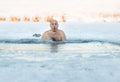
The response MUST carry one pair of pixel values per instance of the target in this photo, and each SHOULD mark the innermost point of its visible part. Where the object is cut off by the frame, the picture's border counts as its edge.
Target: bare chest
(55, 36)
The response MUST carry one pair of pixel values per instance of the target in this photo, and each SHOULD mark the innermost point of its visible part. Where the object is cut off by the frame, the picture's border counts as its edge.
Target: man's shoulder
(61, 31)
(48, 31)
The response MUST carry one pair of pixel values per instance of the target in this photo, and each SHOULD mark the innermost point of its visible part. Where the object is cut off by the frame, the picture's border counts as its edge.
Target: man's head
(54, 25)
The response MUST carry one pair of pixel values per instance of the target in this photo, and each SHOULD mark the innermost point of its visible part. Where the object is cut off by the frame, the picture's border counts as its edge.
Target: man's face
(54, 25)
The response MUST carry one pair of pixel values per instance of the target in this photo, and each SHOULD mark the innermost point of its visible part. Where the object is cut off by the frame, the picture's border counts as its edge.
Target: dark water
(38, 41)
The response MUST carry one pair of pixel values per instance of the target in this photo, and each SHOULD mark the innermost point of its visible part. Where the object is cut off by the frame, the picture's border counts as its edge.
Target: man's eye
(55, 23)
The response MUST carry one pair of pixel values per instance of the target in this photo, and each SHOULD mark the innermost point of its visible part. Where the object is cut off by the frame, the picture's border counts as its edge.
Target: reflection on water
(83, 48)
(53, 47)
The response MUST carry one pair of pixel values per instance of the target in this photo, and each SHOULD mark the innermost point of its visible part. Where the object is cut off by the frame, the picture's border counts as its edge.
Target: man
(54, 33)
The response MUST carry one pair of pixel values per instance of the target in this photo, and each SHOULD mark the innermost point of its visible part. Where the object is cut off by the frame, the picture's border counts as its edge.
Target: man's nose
(54, 26)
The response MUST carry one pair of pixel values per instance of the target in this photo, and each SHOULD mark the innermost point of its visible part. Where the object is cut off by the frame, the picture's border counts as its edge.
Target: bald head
(53, 20)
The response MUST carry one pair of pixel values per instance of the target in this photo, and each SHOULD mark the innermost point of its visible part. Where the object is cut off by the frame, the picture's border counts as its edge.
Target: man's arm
(45, 36)
(63, 36)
